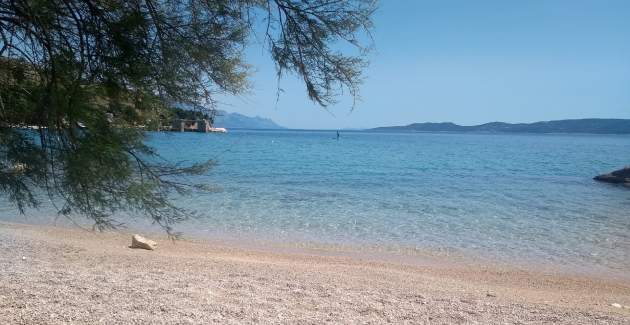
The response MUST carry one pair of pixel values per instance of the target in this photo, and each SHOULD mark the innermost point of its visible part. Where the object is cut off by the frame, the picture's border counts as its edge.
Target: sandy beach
(51, 275)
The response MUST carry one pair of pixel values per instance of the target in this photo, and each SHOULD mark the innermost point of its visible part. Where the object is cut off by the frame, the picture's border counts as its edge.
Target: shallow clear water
(512, 197)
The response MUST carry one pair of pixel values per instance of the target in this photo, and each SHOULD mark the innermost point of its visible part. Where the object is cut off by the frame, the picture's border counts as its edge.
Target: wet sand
(51, 275)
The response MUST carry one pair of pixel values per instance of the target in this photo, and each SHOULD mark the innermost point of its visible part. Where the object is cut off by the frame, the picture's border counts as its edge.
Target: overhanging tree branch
(65, 63)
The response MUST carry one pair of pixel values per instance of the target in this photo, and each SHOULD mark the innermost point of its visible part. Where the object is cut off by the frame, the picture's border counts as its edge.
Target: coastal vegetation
(78, 78)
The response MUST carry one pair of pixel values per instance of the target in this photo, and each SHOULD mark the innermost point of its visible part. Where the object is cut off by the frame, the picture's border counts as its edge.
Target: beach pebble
(616, 305)
(138, 241)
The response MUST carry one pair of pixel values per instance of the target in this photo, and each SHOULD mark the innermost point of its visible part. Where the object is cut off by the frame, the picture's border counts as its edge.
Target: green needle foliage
(82, 80)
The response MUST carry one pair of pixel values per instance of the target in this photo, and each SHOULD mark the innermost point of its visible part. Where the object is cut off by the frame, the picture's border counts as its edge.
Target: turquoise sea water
(510, 197)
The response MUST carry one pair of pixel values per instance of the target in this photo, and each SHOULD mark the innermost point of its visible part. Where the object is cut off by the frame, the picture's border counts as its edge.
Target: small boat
(220, 130)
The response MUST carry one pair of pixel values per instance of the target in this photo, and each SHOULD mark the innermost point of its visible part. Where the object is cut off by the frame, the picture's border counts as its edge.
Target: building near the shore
(202, 125)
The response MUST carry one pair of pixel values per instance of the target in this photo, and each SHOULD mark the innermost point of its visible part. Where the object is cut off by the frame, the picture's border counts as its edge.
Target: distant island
(595, 126)
(227, 120)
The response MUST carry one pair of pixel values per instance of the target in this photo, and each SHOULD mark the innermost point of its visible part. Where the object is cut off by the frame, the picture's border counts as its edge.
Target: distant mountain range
(227, 120)
(597, 126)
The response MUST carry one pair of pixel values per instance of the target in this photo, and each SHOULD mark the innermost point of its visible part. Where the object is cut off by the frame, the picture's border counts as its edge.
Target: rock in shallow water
(138, 241)
(621, 176)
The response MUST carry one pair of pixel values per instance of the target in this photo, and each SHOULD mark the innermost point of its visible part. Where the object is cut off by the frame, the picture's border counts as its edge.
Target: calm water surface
(512, 197)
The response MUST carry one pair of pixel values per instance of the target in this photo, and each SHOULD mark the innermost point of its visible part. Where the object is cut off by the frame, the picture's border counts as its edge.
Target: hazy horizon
(421, 122)
(470, 63)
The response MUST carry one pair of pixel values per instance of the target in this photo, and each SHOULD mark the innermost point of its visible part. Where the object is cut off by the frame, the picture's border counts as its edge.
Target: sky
(469, 62)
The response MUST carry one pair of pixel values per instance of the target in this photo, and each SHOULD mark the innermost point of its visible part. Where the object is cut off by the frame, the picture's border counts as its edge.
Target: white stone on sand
(138, 241)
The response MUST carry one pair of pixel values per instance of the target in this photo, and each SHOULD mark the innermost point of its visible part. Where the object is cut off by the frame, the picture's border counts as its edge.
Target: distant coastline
(587, 126)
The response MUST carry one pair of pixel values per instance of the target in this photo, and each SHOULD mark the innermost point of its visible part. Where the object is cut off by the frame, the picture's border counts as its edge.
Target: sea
(514, 198)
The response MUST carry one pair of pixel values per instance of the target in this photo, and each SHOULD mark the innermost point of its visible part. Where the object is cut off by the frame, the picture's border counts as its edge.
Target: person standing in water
(337, 135)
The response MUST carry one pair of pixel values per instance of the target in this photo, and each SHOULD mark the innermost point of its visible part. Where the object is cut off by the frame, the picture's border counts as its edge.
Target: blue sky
(471, 62)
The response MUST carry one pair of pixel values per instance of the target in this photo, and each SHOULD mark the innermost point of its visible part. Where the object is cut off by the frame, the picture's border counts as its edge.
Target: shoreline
(58, 275)
(395, 253)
